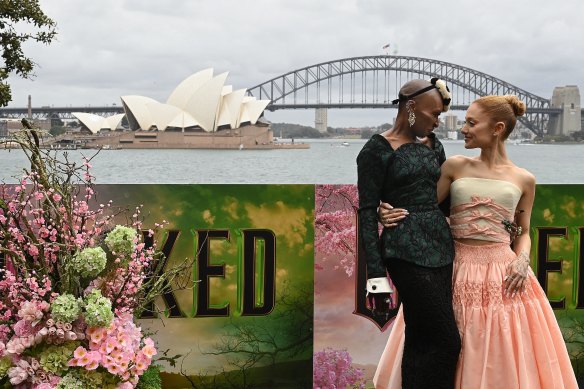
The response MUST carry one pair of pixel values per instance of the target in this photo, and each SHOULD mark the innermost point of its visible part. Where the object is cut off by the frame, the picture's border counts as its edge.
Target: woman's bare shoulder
(458, 160)
(524, 176)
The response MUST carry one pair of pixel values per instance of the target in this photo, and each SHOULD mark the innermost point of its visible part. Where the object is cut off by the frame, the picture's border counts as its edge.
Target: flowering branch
(71, 284)
(335, 224)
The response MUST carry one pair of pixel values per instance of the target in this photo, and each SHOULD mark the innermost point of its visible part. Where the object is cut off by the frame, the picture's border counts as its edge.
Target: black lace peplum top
(405, 178)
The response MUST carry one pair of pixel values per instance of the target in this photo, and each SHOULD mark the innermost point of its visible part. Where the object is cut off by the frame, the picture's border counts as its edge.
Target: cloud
(111, 48)
(208, 217)
(569, 207)
(548, 215)
(231, 206)
(287, 222)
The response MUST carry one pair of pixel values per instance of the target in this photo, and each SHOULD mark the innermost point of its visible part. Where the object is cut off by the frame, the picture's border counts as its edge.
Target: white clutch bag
(379, 285)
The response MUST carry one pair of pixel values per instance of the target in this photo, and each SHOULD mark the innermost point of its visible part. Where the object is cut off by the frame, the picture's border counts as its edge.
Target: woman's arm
(447, 173)
(370, 177)
(517, 271)
(390, 217)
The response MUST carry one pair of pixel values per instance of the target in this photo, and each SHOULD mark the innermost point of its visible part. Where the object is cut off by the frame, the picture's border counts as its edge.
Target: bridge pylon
(566, 98)
(321, 119)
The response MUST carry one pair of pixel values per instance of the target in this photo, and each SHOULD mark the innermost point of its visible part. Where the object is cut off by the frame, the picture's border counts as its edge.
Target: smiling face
(428, 108)
(478, 128)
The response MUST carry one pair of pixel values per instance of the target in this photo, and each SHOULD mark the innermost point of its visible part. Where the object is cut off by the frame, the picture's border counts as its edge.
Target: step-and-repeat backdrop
(273, 283)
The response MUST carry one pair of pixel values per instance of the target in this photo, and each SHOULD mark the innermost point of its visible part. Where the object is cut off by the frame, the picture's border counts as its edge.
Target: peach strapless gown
(507, 343)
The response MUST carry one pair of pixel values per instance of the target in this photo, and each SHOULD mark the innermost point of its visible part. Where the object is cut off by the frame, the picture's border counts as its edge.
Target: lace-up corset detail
(481, 217)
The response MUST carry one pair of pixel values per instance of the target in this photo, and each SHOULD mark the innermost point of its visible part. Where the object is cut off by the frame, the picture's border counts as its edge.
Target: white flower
(443, 89)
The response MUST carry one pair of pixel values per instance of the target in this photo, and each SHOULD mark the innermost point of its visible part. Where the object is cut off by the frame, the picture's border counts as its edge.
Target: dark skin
(427, 108)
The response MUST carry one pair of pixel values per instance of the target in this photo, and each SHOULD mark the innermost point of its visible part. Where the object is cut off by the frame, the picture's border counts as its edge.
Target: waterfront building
(201, 112)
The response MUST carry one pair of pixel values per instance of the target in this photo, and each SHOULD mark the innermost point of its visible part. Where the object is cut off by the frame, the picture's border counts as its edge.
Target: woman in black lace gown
(395, 167)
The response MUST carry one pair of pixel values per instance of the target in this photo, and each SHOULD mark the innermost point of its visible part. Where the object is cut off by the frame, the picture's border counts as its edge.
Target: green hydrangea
(55, 358)
(5, 364)
(121, 240)
(71, 380)
(65, 308)
(93, 379)
(87, 379)
(150, 379)
(89, 262)
(98, 310)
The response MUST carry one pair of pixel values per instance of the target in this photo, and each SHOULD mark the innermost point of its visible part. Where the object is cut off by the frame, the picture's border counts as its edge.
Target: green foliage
(556, 138)
(288, 130)
(13, 14)
(57, 130)
(578, 135)
(150, 379)
(366, 134)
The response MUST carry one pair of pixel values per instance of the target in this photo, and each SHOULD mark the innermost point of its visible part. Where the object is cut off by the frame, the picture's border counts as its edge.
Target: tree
(335, 225)
(334, 369)
(285, 334)
(24, 15)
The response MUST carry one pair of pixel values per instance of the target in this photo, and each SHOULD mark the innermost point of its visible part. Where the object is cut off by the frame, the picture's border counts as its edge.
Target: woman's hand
(389, 216)
(516, 275)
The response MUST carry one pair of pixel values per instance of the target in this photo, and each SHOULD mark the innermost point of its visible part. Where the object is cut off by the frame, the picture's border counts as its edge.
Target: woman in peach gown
(510, 336)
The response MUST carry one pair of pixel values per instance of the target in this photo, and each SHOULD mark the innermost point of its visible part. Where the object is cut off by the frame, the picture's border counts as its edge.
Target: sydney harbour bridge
(359, 82)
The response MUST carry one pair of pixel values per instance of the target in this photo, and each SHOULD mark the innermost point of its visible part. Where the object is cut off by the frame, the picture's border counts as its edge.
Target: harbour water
(327, 161)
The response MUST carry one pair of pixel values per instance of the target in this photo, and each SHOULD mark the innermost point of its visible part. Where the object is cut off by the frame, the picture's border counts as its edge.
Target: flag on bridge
(386, 46)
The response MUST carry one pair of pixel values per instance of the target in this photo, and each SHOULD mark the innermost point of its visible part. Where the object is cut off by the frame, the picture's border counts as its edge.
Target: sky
(109, 48)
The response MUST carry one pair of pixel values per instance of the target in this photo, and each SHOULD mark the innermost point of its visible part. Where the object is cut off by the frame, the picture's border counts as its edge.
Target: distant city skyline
(111, 48)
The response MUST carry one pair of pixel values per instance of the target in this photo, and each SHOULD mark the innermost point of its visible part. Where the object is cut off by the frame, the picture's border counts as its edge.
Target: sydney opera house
(201, 112)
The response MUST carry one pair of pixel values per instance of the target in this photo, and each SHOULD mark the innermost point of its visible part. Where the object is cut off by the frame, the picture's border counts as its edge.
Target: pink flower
(30, 312)
(84, 360)
(73, 362)
(92, 365)
(80, 352)
(149, 351)
(20, 372)
(57, 197)
(113, 368)
(22, 328)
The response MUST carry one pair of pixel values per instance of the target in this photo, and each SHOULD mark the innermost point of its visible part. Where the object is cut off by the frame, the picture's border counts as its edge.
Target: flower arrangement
(70, 285)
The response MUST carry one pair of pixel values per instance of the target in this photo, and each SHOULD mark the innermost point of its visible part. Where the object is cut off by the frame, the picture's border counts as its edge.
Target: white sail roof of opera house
(139, 116)
(200, 101)
(228, 113)
(95, 123)
(251, 110)
(182, 93)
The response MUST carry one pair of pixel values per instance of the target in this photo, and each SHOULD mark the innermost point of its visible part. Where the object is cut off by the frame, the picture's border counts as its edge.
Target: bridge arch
(373, 81)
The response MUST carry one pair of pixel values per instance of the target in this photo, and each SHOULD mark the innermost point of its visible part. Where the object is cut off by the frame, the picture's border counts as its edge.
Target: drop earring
(411, 114)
